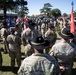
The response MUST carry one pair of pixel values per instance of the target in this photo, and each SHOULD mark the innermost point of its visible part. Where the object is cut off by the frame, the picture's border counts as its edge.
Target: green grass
(6, 68)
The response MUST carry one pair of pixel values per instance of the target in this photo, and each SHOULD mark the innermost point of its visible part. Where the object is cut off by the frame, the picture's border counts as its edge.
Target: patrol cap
(66, 34)
(39, 43)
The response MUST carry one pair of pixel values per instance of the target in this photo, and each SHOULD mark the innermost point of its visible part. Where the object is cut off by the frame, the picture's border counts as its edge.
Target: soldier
(51, 36)
(4, 34)
(26, 35)
(18, 29)
(61, 24)
(14, 48)
(43, 28)
(64, 51)
(39, 63)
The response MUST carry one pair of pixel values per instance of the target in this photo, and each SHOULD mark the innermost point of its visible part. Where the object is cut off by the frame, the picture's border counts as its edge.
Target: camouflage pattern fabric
(39, 64)
(64, 53)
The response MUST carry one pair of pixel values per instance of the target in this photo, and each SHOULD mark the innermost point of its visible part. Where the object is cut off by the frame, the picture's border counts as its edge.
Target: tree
(74, 13)
(65, 15)
(10, 5)
(46, 9)
(23, 11)
(55, 12)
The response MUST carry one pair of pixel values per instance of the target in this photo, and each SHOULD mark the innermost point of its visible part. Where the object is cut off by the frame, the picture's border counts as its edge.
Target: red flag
(72, 26)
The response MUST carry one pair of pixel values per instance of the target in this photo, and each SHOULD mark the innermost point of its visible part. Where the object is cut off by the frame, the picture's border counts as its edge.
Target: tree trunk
(4, 8)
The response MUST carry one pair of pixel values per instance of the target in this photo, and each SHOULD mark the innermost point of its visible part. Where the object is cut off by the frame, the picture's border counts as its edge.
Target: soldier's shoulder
(50, 58)
(28, 59)
(10, 39)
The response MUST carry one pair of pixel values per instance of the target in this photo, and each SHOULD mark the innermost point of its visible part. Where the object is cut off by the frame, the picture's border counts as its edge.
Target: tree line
(20, 7)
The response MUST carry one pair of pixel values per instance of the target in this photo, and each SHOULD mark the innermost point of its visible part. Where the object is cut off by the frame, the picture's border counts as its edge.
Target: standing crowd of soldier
(38, 38)
(14, 37)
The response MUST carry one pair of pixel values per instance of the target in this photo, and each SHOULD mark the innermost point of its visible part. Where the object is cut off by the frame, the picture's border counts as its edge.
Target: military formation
(43, 56)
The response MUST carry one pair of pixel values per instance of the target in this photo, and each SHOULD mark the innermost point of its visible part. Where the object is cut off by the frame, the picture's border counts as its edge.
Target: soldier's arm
(75, 51)
(7, 42)
(56, 69)
(52, 51)
(23, 39)
(21, 69)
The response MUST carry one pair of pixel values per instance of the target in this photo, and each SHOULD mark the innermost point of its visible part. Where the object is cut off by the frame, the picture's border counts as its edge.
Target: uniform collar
(38, 54)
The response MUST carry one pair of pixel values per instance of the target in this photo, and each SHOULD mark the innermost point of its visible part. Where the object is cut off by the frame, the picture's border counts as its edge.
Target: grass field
(6, 68)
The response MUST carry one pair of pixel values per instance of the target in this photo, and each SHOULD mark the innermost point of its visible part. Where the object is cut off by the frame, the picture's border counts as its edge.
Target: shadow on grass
(22, 55)
(15, 69)
(2, 49)
(58, 38)
(9, 69)
(75, 59)
(74, 71)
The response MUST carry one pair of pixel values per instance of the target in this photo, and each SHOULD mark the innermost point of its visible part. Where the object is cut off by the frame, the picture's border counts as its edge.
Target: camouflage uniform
(4, 34)
(43, 29)
(29, 50)
(26, 35)
(51, 36)
(61, 24)
(14, 49)
(65, 53)
(42, 64)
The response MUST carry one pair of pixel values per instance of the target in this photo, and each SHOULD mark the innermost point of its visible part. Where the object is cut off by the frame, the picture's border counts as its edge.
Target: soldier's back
(39, 65)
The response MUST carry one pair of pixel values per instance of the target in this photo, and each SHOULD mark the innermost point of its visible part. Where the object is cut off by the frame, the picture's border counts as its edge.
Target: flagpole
(72, 5)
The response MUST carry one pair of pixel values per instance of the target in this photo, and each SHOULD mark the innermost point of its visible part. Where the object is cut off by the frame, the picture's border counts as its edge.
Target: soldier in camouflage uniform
(39, 63)
(43, 28)
(26, 35)
(4, 33)
(14, 48)
(64, 51)
(51, 36)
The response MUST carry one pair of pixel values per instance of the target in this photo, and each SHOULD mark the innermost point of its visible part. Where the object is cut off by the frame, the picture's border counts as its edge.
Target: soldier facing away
(26, 35)
(64, 51)
(39, 63)
(4, 34)
(51, 36)
(14, 48)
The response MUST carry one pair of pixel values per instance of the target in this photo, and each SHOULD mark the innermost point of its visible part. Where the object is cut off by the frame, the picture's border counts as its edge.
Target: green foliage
(65, 15)
(55, 12)
(46, 9)
(74, 13)
(47, 5)
(11, 5)
(23, 10)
